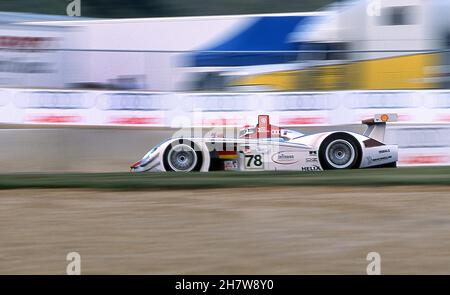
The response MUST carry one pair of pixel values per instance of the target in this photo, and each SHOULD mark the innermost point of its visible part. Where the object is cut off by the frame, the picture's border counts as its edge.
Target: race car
(266, 147)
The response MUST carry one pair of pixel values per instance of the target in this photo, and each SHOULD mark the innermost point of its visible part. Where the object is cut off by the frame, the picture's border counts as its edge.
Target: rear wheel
(182, 156)
(339, 151)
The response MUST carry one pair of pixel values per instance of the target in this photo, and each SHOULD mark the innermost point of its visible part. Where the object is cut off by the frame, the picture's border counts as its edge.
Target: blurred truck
(366, 44)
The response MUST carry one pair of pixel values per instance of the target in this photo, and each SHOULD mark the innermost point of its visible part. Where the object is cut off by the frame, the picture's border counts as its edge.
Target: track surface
(236, 223)
(283, 230)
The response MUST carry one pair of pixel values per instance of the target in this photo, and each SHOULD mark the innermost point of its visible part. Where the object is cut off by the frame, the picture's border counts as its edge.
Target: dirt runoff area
(227, 231)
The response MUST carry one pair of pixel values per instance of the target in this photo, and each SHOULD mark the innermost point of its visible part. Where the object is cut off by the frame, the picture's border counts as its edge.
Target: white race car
(266, 147)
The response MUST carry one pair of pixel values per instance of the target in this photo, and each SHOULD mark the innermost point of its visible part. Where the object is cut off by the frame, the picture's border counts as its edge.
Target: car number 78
(254, 161)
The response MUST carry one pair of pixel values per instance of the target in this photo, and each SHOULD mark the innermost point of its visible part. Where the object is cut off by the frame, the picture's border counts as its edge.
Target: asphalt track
(258, 230)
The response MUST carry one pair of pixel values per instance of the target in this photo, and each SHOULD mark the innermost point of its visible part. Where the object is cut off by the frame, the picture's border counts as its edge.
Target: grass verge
(153, 181)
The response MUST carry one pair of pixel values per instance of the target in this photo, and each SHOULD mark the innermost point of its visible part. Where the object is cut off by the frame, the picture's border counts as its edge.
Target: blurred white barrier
(422, 133)
(421, 145)
(133, 108)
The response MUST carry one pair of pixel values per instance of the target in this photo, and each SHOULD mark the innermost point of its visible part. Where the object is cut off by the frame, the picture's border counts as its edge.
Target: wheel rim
(182, 158)
(340, 154)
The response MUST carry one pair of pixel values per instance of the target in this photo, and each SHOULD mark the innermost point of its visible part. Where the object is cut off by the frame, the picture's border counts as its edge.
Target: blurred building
(146, 53)
(366, 44)
(31, 55)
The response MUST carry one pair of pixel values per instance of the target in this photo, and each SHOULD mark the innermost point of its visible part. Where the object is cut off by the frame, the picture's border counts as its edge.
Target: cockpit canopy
(267, 131)
(284, 134)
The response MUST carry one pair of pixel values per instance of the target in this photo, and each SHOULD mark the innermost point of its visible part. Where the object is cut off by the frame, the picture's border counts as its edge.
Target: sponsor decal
(302, 121)
(126, 120)
(216, 103)
(311, 168)
(54, 119)
(217, 122)
(311, 160)
(380, 159)
(230, 165)
(422, 159)
(312, 153)
(304, 102)
(400, 117)
(64, 100)
(263, 120)
(284, 158)
(262, 129)
(384, 151)
(134, 102)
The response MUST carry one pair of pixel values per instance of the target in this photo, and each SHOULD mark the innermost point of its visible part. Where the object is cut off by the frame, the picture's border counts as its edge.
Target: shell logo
(384, 118)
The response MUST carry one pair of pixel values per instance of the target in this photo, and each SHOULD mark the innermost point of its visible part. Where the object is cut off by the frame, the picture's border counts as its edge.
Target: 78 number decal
(253, 161)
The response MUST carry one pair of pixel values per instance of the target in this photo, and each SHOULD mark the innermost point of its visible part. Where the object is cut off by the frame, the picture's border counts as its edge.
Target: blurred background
(140, 70)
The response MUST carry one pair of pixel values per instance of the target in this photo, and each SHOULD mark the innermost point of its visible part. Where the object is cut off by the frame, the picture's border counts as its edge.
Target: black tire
(340, 151)
(182, 156)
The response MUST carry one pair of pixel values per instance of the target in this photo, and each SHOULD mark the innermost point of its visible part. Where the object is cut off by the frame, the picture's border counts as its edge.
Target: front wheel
(182, 156)
(339, 151)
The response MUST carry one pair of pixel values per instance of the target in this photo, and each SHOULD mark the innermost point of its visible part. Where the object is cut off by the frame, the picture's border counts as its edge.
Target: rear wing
(376, 126)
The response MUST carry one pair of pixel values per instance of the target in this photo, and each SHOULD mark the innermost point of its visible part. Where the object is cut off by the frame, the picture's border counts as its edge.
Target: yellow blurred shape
(401, 72)
(284, 81)
(404, 72)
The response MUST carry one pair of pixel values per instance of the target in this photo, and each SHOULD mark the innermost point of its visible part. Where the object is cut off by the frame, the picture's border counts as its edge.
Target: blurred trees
(151, 8)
